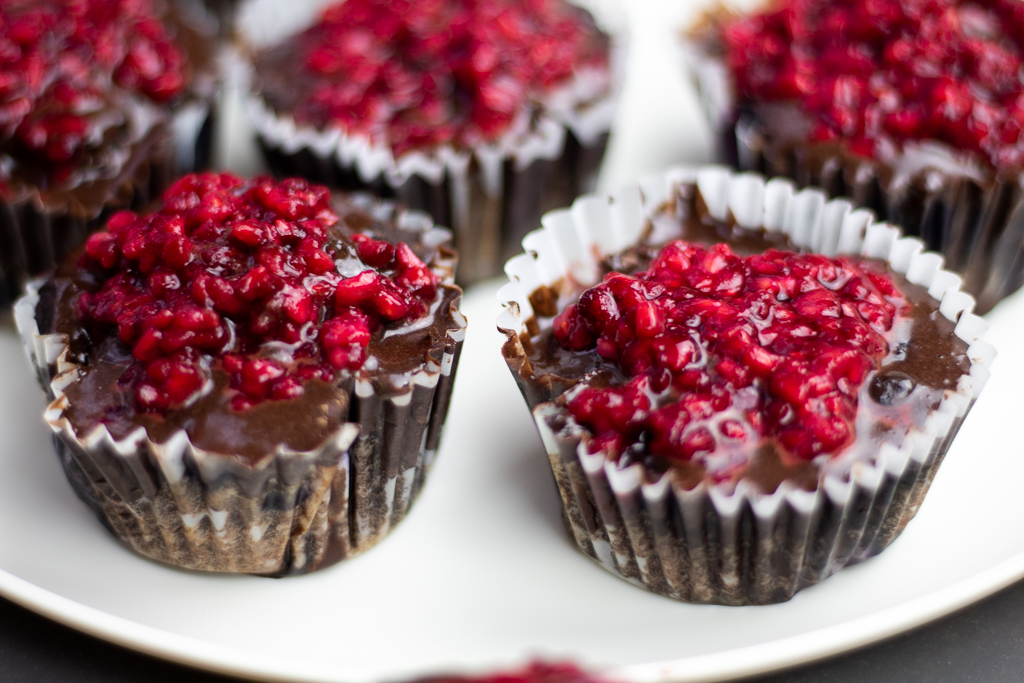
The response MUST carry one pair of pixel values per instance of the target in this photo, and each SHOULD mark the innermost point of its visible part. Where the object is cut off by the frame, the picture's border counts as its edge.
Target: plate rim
(763, 658)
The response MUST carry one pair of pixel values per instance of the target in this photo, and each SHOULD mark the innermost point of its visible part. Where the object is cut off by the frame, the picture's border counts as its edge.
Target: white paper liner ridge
(193, 508)
(655, 534)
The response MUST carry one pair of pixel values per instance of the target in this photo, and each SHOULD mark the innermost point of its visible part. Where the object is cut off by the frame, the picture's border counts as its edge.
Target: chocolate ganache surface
(920, 360)
(396, 350)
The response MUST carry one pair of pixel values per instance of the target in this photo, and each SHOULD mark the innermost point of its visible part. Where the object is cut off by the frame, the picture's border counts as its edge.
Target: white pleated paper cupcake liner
(717, 543)
(959, 209)
(291, 513)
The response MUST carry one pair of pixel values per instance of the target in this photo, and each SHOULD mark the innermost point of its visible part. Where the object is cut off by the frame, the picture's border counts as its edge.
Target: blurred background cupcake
(483, 113)
(102, 102)
(912, 108)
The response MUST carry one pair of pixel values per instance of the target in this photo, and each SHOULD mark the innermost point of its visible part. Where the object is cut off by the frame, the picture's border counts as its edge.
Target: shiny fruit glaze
(59, 61)
(878, 73)
(725, 352)
(243, 277)
(416, 73)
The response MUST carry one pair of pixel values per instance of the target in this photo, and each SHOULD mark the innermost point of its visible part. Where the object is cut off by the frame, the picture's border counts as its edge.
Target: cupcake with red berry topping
(484, 113)
(911, 107)
(101, 101)
(741, 389)
(253, 377)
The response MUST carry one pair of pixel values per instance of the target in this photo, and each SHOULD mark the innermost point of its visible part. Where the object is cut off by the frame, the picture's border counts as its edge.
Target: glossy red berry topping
(877, 73)
(415, 74)
(725, 351)
(58, 61)
(247, 277)
(535, 672)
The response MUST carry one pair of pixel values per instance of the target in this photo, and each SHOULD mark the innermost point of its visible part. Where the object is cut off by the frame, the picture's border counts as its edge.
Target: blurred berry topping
(419, 73)
(535, 672)
(244, 276)
(59, 60)
(725, 351)
(877, 73)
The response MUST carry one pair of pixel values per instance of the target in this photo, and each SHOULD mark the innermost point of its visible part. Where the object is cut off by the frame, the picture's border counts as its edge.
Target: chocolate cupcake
(912, 109)
(484, 113)
(732, 410)
(253, 378)
(101, 102)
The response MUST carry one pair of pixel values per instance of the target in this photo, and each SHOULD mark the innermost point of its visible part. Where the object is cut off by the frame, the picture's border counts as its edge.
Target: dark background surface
(983, 642)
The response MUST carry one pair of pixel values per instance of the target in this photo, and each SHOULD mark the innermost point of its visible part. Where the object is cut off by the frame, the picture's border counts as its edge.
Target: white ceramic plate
(481, 574)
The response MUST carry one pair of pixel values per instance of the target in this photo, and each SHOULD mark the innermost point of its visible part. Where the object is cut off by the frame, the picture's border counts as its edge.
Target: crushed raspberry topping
(58, 59)
(877, 73)
(725, 352)
(415, 74)
(534, 672)
(244, 276)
